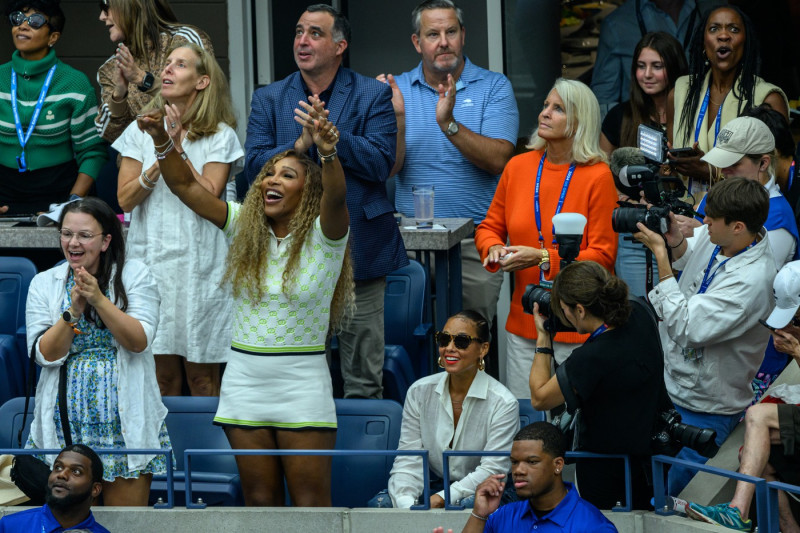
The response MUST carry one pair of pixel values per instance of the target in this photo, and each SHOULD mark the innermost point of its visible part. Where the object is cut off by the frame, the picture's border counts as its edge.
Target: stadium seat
(529, 415)
(16, 274)
(404, 302)
(11, 420)
(398, 375)
(364, 425)
(215, 478)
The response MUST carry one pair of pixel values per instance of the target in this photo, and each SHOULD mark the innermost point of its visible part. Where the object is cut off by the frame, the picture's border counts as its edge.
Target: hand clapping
(86, 290)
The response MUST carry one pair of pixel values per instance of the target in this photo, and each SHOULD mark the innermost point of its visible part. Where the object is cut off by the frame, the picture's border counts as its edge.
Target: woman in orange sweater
(572, 176)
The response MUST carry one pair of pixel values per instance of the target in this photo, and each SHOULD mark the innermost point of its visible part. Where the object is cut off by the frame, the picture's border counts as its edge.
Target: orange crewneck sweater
(511, 215)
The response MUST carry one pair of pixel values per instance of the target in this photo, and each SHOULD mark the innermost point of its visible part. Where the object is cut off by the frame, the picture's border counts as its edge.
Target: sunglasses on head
(461, 341)
(35, 20)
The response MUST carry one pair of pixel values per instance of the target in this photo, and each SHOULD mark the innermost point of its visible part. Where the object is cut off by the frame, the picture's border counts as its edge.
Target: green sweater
(65, 129)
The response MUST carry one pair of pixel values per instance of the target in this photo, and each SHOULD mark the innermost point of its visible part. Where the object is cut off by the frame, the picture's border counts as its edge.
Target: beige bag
(9, 493)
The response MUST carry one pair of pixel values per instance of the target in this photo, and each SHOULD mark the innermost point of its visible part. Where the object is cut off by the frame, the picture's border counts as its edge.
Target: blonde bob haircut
(248, 255)
(583, 122)
(211, 106)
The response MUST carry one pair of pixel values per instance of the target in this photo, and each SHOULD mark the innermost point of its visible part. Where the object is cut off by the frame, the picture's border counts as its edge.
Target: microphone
(622, 157)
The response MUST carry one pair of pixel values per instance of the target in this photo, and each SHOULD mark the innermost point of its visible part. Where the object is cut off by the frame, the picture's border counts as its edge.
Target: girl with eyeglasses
(97, 314)
(615, 379)
(462, 408)
(49, 149)
(144, 32)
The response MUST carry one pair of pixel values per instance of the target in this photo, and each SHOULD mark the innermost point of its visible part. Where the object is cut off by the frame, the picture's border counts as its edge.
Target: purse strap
(62, 394)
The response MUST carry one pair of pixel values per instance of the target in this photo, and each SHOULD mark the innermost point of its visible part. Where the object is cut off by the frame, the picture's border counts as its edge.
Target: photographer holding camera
(712, 340)
(614, 378)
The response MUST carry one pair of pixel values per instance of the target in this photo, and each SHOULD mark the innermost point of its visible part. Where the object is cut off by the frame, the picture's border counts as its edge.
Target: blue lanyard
(708, 279)
(597, 332)
(536, 210)
(791, 176)
(702, 115)
(23, 139)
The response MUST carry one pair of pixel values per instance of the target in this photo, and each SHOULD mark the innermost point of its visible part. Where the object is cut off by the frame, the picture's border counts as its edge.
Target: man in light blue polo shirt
(461, 124)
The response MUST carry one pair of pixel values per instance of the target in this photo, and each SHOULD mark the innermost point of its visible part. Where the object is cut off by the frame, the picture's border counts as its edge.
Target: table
(445, 244)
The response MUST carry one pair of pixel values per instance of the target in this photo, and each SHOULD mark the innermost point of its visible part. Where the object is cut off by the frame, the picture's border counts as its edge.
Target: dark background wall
(85, 45)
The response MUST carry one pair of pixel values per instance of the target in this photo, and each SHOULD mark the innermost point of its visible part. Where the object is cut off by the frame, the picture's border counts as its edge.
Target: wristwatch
(452, 128)
(147, 82)
(69, 318)
(544, 264)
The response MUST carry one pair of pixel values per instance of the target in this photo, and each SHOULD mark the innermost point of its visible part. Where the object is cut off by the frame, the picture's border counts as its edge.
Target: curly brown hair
(249, 250)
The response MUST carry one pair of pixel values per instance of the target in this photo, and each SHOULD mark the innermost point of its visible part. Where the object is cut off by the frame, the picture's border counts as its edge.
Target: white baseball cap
(738, 138)
(786, 288)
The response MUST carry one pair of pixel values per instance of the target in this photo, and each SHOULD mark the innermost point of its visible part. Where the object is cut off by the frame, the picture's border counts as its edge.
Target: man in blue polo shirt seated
(76, 480)
(548, 504)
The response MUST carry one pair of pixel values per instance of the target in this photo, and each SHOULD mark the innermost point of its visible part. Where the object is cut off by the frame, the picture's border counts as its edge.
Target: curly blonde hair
(249, 251)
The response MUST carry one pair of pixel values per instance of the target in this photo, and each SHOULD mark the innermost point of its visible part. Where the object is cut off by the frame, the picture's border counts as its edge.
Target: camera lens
(535, 294)
(624, 219)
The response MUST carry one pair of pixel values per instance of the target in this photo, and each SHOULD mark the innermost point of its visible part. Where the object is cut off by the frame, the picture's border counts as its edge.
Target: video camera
(569, 235)
(636, 171)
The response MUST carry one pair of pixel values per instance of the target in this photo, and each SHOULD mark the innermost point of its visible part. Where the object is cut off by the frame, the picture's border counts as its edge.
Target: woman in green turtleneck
(49, 148)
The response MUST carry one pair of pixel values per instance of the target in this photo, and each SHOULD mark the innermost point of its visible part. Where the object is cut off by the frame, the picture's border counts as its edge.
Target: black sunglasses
(104, 6)
(461, 341)
(35, 20)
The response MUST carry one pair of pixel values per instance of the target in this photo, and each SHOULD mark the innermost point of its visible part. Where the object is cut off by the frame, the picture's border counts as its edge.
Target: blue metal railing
(766, 522)
(166, 452)
(187, 464)
(576, 455)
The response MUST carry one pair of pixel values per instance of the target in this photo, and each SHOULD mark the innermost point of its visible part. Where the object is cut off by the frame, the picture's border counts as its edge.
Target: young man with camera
(712, 340)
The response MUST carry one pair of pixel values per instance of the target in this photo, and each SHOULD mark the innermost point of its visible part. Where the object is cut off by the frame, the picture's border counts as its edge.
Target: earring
(481, 365)
(705, 62)
(441, 365)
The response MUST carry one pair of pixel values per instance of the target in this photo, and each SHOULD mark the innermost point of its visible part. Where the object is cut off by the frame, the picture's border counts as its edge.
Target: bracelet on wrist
(682, 239)
(148, 180)
(327, 158)
(479, 517)
(160, 146)
(542, 349)
(665, 277)
(160, 155)
(143, 184)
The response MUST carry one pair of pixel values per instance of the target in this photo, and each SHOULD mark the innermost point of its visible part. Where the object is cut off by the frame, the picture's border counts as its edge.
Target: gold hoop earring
(481, 365)
(441, 365)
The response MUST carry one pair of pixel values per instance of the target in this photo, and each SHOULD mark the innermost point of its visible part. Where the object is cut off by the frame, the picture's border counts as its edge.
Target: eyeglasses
(83, 237)
(104, 7)
(35, 20)
(461, 341)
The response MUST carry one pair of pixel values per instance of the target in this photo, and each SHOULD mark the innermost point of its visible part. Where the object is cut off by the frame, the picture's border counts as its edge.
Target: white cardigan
(140, 409)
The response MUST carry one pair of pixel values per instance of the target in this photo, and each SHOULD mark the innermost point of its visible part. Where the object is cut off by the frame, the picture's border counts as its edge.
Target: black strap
(62, 403)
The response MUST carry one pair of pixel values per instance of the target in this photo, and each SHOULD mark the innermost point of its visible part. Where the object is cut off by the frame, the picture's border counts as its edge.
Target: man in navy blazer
(361, 108)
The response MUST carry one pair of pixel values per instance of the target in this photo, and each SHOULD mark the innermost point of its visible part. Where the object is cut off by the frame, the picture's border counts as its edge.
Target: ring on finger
(171, 124)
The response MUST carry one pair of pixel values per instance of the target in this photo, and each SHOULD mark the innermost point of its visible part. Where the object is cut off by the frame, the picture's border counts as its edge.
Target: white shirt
(140, 409)
(185, 252)
(489, 420)
(721, 323)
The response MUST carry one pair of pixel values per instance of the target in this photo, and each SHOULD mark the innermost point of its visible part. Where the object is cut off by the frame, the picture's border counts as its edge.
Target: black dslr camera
(640, 173)
(569, 246)
(672, 435)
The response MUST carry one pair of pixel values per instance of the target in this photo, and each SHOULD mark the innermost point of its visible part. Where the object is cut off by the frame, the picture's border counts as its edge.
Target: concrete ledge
(335, 520)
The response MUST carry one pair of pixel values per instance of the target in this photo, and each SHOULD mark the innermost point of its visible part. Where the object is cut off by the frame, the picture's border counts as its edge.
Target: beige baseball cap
(738, 138)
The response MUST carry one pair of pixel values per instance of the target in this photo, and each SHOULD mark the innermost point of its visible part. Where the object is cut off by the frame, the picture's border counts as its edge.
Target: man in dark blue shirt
(549, 504)
(76, 480)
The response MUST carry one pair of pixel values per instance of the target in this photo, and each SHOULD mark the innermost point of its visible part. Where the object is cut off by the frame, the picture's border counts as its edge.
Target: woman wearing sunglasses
(49, 149)
(144, 32)
(97, 314)
(616, 379)
(462, 408)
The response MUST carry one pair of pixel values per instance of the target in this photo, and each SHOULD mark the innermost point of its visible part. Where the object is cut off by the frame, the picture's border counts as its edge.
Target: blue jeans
(679, 477)
(631, 265)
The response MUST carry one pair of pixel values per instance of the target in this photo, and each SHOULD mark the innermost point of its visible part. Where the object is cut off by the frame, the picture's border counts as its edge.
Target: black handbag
(28, 472)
